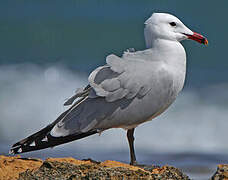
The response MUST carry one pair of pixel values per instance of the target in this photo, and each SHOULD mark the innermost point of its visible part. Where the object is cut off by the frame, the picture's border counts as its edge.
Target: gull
(126, 91)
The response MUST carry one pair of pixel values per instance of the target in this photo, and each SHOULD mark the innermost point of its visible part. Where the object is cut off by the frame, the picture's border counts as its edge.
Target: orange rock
(11, 167)
(69, 160)
(110, 163)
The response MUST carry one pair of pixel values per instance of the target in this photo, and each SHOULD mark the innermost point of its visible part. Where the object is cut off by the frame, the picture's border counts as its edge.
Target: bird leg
(130, 137)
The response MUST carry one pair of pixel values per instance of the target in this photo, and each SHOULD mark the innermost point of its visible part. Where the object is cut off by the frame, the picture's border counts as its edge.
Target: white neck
(172, 53)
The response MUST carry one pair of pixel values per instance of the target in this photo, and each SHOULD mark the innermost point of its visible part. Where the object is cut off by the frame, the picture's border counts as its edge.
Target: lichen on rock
(72, 169)
(221, 173)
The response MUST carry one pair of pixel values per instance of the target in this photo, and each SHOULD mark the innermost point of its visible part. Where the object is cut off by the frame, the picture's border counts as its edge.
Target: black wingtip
(45, 142)
(15, 150)
(42, 139)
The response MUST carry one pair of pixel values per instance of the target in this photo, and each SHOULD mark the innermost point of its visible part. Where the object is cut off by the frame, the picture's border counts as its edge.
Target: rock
(72, 169)
(221, 173)
(11, 167)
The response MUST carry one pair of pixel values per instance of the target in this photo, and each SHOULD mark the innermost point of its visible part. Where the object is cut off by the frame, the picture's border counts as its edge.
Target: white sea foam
(31, 97)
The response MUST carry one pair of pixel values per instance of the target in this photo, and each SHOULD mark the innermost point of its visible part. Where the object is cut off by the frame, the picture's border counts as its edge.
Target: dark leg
(130, 137)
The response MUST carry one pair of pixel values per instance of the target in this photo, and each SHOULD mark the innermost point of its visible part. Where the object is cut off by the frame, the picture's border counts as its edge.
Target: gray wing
(121, 78)
(83, 92)
(80, 93)
(111, 87)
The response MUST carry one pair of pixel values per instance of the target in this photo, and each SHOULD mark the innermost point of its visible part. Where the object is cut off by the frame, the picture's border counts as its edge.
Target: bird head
(168, 27)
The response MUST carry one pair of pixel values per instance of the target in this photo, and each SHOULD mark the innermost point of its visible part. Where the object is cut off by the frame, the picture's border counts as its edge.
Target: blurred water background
(48, 48)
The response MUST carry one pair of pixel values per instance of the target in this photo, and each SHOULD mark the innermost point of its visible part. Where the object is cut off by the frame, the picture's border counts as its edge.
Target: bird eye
(173, 24)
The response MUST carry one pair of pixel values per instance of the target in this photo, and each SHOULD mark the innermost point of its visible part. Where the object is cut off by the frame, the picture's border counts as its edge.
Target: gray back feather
(119, 85)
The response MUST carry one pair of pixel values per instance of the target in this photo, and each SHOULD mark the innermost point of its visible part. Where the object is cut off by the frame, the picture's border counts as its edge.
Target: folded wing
(121, 78)
(110, 87)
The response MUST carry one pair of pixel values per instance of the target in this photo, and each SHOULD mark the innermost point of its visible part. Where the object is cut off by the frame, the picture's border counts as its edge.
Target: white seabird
(126, 91)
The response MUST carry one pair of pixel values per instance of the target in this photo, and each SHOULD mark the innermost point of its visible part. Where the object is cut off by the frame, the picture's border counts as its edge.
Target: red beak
(198, 37)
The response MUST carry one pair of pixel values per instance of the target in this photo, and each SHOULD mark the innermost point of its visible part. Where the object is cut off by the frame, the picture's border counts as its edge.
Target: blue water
(47, 50)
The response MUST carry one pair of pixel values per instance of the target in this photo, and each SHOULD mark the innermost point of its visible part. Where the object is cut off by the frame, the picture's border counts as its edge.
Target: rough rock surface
(10, 167)
(221, 173)
(69, 169)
